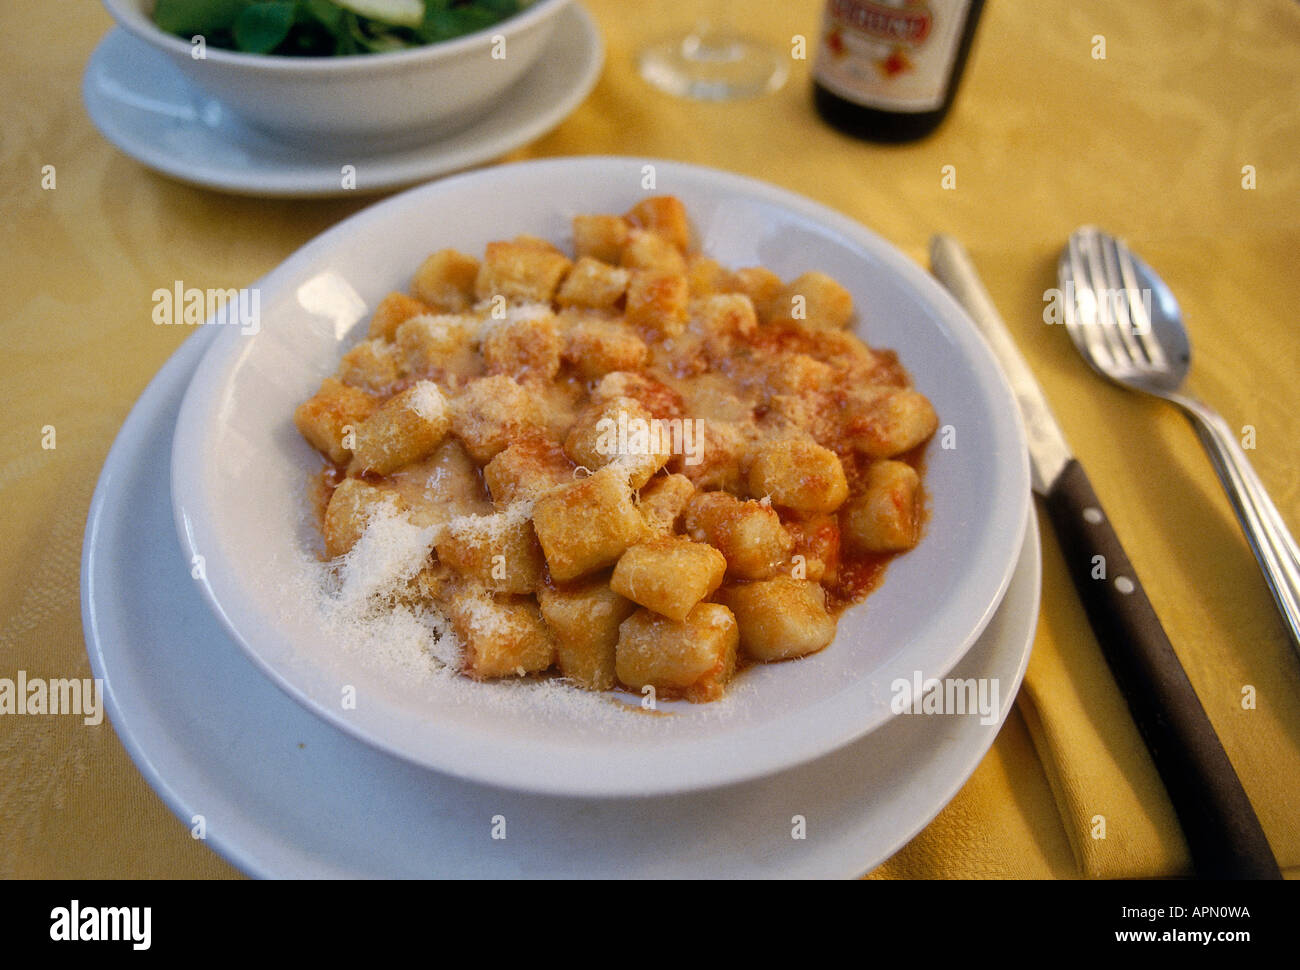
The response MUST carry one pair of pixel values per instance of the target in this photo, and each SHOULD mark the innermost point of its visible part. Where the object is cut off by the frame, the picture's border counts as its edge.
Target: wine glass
(713, 61)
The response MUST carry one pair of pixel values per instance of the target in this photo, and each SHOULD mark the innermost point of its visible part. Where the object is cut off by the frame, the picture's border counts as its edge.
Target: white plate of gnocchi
(601, 477)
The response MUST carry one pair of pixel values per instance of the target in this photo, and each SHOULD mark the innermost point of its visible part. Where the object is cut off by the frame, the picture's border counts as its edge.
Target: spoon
(1127, 325)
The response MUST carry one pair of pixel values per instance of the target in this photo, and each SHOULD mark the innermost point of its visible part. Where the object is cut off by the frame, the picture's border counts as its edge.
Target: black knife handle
(1221, 828)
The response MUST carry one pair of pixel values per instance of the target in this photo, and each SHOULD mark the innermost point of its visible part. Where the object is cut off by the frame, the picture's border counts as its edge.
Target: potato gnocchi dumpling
(640, 469)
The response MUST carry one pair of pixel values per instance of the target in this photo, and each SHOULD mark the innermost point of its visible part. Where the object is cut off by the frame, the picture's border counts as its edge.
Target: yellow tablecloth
(1150, 142)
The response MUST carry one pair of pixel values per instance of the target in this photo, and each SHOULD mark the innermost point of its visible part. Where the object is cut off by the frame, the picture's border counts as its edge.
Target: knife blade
(1223, 833)
(1048, 452)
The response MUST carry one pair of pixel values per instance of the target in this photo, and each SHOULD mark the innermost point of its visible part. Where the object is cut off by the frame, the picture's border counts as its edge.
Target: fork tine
(1105, 306)
(1084, 326)
(1138, 307)
(1118, 296)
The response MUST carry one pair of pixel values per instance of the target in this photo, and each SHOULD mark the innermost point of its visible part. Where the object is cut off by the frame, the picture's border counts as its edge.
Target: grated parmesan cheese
(516, 313)
(358, 602)
(427, 401)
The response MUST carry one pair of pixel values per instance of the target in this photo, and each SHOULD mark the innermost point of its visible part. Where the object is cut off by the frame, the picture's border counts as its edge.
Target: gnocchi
(640, 469)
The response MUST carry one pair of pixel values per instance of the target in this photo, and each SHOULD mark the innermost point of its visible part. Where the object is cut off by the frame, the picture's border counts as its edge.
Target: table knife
(1222, 831)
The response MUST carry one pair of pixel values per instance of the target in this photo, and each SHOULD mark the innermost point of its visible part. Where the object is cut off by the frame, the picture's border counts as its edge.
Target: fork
(1126, 323)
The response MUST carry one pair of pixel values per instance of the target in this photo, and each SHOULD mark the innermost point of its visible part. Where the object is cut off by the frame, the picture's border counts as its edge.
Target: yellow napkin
(1113, 808)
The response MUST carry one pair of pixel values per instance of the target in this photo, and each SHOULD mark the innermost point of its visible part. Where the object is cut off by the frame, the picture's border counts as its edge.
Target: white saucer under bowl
(144, 106)
(283, 794)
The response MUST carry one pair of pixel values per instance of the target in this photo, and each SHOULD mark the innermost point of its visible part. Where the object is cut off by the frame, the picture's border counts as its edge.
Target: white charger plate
(285, 795)
(143, 105)
(239, 472)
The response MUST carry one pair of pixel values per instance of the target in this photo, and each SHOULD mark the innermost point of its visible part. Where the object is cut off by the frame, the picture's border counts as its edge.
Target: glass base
(713, 67)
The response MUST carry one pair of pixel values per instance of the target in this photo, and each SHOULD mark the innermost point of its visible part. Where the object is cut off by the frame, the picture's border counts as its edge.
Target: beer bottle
(887, 70)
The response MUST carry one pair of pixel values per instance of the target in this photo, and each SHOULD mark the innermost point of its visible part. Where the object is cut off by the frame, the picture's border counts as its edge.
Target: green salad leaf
(400, 13)
(323, 28)
(190, 17)
(328, 15)
(262, 27)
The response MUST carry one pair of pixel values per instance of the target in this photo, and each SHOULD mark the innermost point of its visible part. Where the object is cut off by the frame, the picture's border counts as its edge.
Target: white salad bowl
(364, 100)
(240, 473)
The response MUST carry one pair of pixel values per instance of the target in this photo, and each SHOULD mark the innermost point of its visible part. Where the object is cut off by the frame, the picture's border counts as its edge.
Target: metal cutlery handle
(1222, 830)
(1275, 549)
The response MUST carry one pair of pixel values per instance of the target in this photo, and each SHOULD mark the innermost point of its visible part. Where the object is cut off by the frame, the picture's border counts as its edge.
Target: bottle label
(895, 55)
